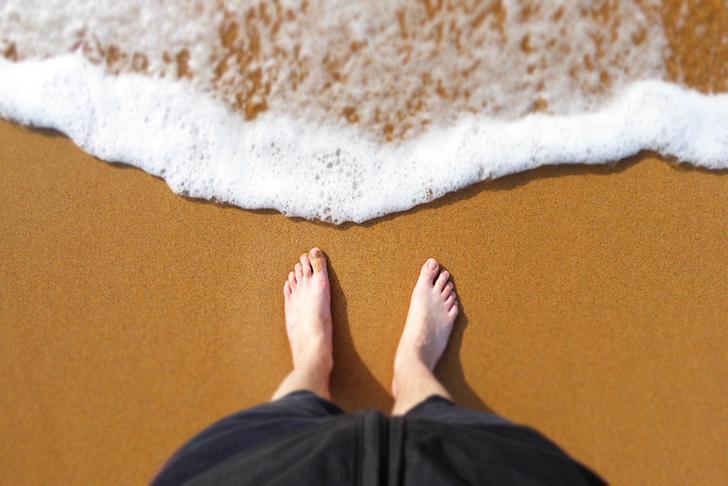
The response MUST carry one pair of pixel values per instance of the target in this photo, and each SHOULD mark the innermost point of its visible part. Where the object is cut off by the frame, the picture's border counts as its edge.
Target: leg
(307, 302)
(308, 324)
(430, 319)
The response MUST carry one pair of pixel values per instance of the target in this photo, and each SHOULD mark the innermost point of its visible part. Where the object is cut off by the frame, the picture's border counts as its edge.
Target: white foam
(396, 66)
(202, 149)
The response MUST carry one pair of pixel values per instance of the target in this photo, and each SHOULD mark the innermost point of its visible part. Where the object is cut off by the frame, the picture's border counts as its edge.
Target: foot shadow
(450, 369)
(353, 386)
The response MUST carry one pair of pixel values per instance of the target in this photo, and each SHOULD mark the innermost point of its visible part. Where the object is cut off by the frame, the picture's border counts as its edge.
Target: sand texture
(595, 309)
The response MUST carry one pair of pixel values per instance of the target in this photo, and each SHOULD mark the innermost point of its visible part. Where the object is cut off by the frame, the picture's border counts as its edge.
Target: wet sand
(595, 309)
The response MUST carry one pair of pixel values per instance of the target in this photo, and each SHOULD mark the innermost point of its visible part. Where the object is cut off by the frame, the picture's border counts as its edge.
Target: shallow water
(343, 111)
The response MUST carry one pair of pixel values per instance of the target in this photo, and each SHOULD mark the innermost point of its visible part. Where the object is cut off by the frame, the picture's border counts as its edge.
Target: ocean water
(346, 111)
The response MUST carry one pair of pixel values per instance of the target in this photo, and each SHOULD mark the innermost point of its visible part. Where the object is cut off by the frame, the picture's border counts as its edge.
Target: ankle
(406, 361)
(318, 364)
(408, 369)
(315, 351)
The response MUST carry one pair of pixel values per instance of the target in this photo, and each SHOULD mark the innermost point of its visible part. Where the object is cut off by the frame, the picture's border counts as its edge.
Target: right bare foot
(430, 320)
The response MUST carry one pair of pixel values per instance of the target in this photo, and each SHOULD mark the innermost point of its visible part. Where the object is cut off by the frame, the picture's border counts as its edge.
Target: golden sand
(594, 309)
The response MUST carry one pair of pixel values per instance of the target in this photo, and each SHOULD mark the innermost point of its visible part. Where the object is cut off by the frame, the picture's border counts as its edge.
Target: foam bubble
(302, 168)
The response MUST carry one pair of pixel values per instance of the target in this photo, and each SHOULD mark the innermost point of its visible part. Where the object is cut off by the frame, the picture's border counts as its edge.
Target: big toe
(318, 261)
(428, 272)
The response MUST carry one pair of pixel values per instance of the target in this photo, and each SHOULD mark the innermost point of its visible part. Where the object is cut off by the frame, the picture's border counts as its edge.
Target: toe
(292, 281)
(299, 271)
(287, 289)
(442, 280)
(448, 289)
(429, 270)
(453, 312)
(449, 301)
(306, 265)
(318, 260)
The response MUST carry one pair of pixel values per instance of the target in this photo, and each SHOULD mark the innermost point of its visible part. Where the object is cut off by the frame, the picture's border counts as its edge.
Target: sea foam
(204, 150)
(346, 111)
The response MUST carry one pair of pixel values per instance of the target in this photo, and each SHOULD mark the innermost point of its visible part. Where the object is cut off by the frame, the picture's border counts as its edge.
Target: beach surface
(594, 308)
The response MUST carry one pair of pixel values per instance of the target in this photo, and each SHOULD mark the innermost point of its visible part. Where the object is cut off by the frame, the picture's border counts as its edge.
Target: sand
(595, 306)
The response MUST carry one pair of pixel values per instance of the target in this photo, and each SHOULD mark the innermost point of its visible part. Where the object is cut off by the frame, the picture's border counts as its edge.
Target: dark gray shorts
(254, 426)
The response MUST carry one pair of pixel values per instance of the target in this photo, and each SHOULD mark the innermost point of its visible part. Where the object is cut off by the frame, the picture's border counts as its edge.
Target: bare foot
(307, 303)
(430, 320)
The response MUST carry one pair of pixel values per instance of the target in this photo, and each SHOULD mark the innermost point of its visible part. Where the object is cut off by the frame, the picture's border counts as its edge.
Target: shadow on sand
(353, 386)
(450, 370)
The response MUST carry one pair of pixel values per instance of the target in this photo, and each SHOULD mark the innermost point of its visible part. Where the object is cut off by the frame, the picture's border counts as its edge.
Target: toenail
(316, 253)
(432, 263)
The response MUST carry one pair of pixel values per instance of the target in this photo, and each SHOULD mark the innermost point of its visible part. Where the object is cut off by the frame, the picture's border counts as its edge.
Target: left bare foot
(307, 302)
